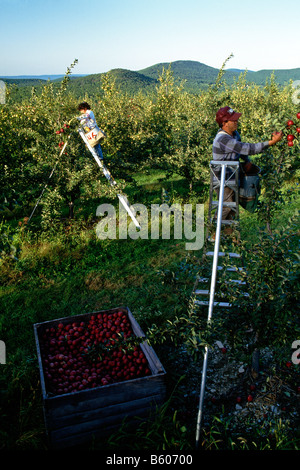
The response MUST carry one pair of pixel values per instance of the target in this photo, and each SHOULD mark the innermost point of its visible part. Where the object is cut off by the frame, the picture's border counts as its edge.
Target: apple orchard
(158, 149)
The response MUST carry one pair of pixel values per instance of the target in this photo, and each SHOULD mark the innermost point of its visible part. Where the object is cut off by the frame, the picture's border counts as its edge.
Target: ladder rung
(232, 269)
(225, 222)
(216, 304)
(206, 292)
(229, 222)
(237, 281)
(221, 253)
(229, 184)
(225, 204)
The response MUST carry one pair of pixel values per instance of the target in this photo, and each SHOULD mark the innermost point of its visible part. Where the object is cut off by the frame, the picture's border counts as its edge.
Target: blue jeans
(99, 151)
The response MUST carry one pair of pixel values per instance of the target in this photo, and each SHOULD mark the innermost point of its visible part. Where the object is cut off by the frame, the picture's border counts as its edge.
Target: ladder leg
(211, 299)
(217, 244)
(49, 177)
(201, 397)
(217, 183)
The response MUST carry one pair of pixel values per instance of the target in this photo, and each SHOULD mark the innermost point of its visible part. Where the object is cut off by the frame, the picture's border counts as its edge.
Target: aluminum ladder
(217, 182)
(122, 197)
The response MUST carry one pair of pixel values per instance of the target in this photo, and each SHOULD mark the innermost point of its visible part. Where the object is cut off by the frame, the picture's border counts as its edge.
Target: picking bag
(94, 137)
(249, 188)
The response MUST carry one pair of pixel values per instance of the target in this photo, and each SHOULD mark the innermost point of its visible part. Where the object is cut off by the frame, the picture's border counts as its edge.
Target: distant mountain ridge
(195, 76)
(38, 77)
(198, 72)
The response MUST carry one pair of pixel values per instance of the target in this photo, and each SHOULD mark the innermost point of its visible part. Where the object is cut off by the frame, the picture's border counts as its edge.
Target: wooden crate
(77, 417)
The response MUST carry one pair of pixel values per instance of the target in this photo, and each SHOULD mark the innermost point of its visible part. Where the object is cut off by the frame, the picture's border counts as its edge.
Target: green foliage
(273, 281)
(7, 246)
(270, 435)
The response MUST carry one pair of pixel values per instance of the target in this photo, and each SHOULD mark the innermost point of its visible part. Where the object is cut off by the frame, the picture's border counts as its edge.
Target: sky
(45, 36)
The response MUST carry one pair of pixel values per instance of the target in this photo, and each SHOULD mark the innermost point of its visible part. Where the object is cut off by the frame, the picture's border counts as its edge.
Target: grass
(72, 272)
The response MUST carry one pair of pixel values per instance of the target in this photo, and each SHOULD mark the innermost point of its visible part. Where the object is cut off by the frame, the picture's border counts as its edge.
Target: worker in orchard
(227, 145)
(88, 122)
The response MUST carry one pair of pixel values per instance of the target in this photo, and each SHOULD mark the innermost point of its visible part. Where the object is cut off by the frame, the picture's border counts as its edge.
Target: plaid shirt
(227, 147)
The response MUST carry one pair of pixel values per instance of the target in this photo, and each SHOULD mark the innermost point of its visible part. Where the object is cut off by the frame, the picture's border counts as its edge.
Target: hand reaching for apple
(276, 137)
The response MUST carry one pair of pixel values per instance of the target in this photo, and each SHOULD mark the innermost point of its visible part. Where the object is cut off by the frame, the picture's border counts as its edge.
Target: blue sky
(45, 36)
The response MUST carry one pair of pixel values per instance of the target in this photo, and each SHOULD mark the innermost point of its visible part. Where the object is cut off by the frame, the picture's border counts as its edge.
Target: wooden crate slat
(114, 415)
(104, 396)
(130, 421)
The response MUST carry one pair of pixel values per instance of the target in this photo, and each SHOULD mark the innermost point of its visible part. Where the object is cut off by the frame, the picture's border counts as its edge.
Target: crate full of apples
(96, 370)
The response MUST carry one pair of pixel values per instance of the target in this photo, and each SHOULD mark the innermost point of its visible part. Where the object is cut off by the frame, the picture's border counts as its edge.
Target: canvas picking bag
(95, 136)
(249, 190)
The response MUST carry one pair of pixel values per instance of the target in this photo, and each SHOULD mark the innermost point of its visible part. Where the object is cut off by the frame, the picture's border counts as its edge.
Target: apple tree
(36, 131)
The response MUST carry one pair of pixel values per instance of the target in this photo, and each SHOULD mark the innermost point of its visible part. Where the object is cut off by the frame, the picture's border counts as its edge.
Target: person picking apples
(88, 122)
(227, 145)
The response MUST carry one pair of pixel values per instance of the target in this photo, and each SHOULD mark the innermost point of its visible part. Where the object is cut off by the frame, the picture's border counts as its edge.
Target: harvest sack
(94, 137)
(249, 189)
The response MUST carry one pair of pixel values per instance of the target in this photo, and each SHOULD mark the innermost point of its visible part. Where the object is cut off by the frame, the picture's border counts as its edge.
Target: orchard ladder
(219, 170)
(108, 176)
(49, 177)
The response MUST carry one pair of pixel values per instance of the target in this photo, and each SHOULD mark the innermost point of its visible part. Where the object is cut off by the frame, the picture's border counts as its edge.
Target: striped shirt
(227, 147)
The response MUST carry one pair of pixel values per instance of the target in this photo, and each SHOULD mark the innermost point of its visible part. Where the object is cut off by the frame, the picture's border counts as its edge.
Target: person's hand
(276, 137)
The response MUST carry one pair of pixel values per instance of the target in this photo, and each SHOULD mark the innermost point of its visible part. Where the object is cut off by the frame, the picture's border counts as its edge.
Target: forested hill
(129, 81)
(198, 75)
(195, 76)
